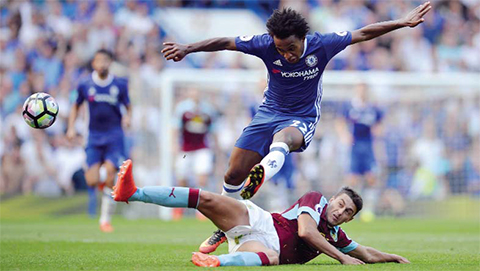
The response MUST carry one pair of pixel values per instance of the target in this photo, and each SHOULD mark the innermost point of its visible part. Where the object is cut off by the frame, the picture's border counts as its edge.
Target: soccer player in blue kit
(104, 94)
(286, 121)
(360, 119)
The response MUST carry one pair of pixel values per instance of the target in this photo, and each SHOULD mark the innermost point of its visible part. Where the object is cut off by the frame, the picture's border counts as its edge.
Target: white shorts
(261, 229)
(199, 162)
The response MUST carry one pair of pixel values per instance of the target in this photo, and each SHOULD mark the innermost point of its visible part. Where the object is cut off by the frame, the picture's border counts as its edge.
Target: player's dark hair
(286, 22)
(356, 198)
(105, 52)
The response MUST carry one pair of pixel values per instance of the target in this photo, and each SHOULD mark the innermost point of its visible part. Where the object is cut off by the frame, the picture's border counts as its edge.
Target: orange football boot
(106, 227)
(204, 260)
(212, 242)
(125, 187)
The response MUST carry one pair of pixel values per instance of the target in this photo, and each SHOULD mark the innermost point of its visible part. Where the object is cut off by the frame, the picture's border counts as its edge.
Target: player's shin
(244, 259)
(92, 201)
(183, 197)
(108, 206)
(273, 161)
(371, 195)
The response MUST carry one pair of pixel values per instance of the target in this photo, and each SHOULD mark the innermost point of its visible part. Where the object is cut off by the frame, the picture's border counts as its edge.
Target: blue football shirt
(104, 99)
(362, 119)
(295, 89)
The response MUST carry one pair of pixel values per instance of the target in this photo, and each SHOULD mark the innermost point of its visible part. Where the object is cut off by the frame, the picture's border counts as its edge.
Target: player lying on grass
(255, 237)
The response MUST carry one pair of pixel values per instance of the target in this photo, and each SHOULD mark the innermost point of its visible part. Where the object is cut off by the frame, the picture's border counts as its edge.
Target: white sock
(232, 191)
(108, 206)
(273, 162)
(370, 196)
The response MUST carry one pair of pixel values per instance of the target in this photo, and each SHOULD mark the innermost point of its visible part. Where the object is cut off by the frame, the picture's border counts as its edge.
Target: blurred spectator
(70, 157)
(429, 153)
(41, 174)
(101, 33)
(448, 53)
(59, 23)
(10, 97)
(12, 166)
(415, 51)
(47, 63)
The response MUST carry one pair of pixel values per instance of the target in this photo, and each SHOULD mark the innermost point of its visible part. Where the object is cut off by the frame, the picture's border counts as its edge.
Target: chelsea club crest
(311, 60)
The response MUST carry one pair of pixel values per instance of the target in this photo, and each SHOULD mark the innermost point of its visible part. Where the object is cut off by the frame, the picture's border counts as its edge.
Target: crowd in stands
(427, 149)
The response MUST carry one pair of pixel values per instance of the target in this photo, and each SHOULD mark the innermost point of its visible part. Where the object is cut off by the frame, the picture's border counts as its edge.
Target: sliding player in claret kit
(255, 237)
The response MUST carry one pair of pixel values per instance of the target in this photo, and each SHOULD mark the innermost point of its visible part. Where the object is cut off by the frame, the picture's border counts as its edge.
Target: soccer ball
(367, 216)
(40, 110)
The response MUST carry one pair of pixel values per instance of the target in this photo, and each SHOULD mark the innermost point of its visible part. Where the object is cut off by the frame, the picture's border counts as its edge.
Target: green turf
(36, 237)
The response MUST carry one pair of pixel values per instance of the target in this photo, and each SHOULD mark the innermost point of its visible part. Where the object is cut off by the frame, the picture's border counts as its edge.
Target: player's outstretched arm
(414, 18)
(176, 52)
(371, 255)
(307, 230)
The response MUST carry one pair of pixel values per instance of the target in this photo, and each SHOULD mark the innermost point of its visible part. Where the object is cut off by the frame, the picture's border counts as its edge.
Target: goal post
(202, 78)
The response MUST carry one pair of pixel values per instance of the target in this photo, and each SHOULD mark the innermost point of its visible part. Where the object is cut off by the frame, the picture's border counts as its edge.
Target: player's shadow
(322, 264)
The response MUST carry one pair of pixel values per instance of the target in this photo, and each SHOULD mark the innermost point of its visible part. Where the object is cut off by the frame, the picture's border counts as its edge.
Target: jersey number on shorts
(301, 126)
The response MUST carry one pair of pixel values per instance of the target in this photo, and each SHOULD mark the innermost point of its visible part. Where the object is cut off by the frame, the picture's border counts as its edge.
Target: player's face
(340, 209)
(101, 63)
(290, 48)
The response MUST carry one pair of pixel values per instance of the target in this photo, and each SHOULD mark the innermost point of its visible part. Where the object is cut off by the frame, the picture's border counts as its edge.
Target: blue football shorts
(112, 150)
(258, 135)
(362, 159)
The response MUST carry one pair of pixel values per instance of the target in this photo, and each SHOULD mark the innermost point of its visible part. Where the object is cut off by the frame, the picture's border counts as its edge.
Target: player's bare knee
(92, 179)
(234, 177)
(207, 200)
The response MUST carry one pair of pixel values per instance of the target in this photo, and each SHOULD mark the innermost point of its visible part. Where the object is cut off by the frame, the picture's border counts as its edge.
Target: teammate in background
(299, 234)
(194, 119)
(104, 94)
(360, 119)
(287, 119)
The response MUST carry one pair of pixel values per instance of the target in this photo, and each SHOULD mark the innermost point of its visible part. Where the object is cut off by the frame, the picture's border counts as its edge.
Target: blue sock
(244, 259)
(168, 196)
(92, 201)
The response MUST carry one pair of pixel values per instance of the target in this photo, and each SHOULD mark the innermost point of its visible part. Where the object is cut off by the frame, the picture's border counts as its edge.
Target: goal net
(426, 147)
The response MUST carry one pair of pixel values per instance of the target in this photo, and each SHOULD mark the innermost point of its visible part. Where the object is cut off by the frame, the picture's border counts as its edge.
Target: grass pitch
(36, 235)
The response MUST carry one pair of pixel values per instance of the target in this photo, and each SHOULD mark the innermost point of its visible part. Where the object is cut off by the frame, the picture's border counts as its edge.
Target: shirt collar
(305, 43)
(102, 82)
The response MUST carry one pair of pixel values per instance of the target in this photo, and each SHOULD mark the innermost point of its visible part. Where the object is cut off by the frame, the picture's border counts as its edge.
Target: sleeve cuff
(310, 211)
(353, 245)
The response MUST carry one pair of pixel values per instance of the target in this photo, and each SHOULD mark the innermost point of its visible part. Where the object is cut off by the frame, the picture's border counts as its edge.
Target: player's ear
(331, 199)
(353, 217)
